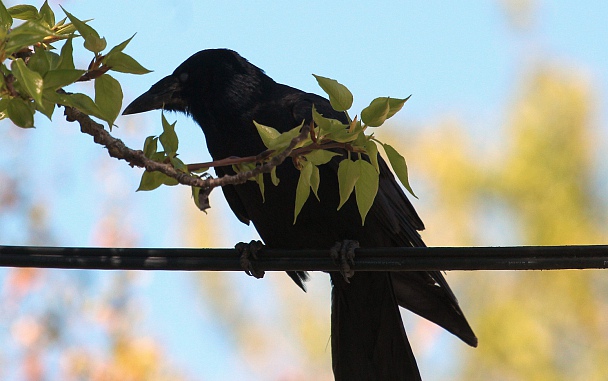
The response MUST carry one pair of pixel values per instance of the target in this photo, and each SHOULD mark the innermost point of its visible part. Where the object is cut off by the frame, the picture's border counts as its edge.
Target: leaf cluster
(358, 171)
(167, 153)
(33, 73)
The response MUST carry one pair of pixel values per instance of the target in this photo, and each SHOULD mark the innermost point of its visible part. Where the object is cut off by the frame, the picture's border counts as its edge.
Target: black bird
(224, 93)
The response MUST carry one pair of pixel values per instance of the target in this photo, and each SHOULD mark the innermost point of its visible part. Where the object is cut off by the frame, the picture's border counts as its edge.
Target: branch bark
(136, 158)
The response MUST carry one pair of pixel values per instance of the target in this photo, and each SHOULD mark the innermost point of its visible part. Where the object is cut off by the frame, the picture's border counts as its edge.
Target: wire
(376, 259)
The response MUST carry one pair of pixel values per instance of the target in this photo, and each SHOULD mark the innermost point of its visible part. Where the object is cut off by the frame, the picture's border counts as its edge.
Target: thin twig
(264, 155)
(326, 145)
(229, 161)
(275, 161)
(92, 74)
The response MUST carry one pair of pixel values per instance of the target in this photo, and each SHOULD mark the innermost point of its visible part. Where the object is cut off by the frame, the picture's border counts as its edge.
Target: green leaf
(275, 140)
(82, 102)
(20, 113)
(26, 34)
(29, 79)
(169, 181)
(395, 105)
(315, 181)
(108, 97)
(66, 59)
(6, 21)
(303, 189)
(168, 138)
(152, 180)
(150, 146)
(268, 134)
(376, 113)
(201, 199)
(39, 61)
(348, 174)
(124, 63)
(243, 167)
(399, 166)
(366, 188)
(62, 22)
(340, 97)
(54, 60)
(195, 193)
(120, 47)
(56, 79)
(92, 41)
(332, 129)
(260, 180)
(50, 95)
(342, 135)
(282, 141)
(23, 12)
(47, 14)
(46, 107)
(273, 176)
(68, 28)
(324, 123)
(361, 137)
(372, 151)
(178, 164)
(3, 106)
(320, 156)
(159, 157)
(4, 103)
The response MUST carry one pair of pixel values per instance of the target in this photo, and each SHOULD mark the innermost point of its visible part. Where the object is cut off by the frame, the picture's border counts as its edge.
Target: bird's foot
(248, 251)
(344, 252)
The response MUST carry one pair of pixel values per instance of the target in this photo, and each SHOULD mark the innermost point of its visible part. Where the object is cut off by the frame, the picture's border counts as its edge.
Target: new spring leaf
(399, 166)
(92, 41)
(340, 97)
(29, 79)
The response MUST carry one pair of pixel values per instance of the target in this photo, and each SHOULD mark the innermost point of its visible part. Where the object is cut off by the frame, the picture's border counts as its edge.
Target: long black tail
(367, 335)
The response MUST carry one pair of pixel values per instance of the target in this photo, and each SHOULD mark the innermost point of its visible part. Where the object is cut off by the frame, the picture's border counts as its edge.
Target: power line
(367, 259)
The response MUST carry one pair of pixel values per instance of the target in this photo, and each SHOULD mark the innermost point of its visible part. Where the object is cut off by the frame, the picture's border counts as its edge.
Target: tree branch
(136, 158)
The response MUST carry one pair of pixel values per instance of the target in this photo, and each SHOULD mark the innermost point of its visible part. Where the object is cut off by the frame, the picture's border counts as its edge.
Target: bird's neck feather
(226, 115)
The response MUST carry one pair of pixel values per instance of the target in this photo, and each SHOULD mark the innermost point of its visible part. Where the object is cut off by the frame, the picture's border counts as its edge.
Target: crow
(224, 93)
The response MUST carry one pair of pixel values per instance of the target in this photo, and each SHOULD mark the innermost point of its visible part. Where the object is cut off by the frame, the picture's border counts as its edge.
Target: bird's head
(207, 77)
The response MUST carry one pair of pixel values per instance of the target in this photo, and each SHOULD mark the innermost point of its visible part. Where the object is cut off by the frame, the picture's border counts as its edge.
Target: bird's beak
(165, 94)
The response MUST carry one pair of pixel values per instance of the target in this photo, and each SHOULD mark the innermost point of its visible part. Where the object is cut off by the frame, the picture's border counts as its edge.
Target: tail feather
(300, 278)
(427, 294)
(367, 335)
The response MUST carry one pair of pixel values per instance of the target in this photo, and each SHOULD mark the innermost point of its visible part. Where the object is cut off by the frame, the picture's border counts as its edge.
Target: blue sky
(458, 59)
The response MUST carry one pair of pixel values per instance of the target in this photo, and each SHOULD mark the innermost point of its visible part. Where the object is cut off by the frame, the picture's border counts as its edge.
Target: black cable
(376, 259)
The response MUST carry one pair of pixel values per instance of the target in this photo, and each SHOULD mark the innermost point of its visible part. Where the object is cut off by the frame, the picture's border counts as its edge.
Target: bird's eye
(183, 77)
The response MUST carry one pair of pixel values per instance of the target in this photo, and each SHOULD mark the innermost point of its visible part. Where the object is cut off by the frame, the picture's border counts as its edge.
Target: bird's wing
(234, 201)
(425, 293)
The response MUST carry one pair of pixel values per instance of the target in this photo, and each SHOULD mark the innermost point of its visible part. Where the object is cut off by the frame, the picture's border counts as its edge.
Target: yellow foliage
(548, 325)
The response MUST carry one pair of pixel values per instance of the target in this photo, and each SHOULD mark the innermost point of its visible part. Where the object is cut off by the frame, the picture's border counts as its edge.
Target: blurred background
(505, 135)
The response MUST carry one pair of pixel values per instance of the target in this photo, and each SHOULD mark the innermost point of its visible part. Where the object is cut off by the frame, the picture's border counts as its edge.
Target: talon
(344, 252)
(248, 251)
